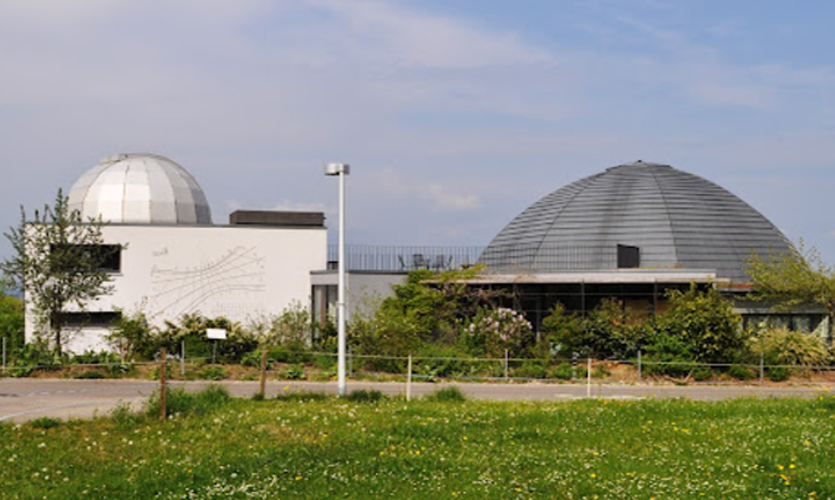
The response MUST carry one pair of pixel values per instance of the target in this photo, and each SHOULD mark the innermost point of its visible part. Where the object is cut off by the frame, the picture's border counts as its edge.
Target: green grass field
(330, 448)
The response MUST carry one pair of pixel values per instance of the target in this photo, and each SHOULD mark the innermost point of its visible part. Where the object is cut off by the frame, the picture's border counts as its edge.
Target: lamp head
(337, 168)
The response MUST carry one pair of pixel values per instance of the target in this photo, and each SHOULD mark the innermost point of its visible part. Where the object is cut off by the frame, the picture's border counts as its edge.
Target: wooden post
(163, 355)
(409, 380)
(262, 391)
(762, 369)
(639, 365)
(588, 378)
(506, 367)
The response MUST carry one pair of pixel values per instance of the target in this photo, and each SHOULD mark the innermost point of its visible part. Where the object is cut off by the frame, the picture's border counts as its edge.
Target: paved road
(26, 399)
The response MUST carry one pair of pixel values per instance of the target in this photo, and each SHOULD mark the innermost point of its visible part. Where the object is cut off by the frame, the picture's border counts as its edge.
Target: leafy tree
(494, 331)
(705, 323)
(11, 318)
(607, 331)
(58, 263)
(792, 279)
(133, 336)
(562, 331)
(437, 303)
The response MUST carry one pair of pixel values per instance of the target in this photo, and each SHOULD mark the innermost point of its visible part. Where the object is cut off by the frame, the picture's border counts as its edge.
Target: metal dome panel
(678, 220)
(140, 189)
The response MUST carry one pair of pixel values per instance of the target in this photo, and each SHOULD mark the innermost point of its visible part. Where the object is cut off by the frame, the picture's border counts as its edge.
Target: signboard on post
(216, 333)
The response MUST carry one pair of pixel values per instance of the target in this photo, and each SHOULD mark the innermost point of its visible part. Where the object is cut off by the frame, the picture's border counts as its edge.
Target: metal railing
(494, 258)
(405, 258)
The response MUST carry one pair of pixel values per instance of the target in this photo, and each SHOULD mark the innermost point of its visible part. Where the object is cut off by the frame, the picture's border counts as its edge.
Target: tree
(792, 279)
(59, 261)
(11, 317)
(704, 321)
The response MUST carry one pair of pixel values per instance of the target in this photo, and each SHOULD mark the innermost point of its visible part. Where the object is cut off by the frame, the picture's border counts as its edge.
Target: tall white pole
(340, 305)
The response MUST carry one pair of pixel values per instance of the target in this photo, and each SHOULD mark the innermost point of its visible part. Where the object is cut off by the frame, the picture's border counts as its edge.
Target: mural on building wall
(179, 290)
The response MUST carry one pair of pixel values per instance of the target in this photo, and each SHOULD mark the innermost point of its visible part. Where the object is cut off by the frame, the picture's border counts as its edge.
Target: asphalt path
(27, 399)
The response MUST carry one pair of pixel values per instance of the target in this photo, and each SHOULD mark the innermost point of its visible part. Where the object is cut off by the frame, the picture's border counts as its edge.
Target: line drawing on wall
(177, 291)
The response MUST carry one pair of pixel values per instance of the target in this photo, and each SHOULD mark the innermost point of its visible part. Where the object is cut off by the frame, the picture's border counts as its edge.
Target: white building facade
(173, 261)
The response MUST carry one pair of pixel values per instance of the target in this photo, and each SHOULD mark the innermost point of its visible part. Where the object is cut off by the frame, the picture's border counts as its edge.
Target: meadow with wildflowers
(324, 447)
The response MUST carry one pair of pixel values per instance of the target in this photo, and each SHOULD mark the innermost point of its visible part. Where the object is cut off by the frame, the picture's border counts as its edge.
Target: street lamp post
(341, 170)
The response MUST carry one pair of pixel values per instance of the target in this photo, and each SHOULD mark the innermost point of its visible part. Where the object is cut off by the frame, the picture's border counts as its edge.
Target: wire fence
(313, 365)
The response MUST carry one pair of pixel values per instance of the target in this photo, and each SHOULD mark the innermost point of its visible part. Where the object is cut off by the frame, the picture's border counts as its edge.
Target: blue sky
(455, 115)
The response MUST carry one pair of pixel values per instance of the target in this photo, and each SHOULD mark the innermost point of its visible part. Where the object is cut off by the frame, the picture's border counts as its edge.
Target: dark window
(95, 318)
(628, 257)
(108, 257)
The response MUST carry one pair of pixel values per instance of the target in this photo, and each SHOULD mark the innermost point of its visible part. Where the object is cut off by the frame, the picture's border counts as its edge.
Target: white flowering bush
(493, 331)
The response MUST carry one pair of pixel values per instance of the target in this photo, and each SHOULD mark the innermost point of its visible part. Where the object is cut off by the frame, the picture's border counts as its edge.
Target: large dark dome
(676, 219)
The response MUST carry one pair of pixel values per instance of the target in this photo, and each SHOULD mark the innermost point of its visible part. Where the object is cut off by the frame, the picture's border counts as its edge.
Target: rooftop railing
(496, 258)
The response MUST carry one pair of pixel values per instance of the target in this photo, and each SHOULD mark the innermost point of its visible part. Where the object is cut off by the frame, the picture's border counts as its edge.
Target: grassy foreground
(328, 448)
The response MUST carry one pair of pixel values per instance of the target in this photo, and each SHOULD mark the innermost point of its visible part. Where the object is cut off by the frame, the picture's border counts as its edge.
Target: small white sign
(216, 333)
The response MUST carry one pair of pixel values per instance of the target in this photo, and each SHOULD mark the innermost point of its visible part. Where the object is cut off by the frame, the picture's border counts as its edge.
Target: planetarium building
(169, 259)
(633, 232)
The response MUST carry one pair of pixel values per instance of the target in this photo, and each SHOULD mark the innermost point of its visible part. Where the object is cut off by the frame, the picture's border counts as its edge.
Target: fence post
(506, 368)
(4, 355)
(409, 380)
(639, 365)
(163, 355)
(588, 379)
(762, 369)
(263, 388)
(183, 358)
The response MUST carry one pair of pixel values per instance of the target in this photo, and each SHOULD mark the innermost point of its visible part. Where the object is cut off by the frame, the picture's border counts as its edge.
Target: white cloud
(446, 197)
(408, 37)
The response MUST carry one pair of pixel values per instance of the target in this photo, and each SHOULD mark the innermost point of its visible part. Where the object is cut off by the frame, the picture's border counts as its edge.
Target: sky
(455, 115)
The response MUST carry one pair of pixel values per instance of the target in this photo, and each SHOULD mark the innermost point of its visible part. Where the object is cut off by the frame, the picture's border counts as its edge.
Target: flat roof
(603, 277)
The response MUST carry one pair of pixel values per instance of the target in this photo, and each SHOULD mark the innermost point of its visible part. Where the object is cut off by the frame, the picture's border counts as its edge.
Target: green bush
(741, 372)
(178, 401)
(562, 371)
(450, 394)
(781, 346)
(530, 370)
(91, 357)
(601, 370)
(293, 372)
(365, 396)
(90, 374)
(45, 423)
(35, 356)
(325, 363)
(124, 417)
(134, 337)
(701, 373)
(705, 324)
(191, 330)
(302, 397)
(440, 361)
(666, 365)
(11, 320)
(214, 372)
(778, 373)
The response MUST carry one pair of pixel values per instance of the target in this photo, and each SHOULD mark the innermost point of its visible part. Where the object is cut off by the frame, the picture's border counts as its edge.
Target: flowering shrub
(493, 331)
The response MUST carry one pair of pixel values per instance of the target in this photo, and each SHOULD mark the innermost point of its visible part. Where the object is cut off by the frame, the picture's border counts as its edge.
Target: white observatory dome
(140, 189)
